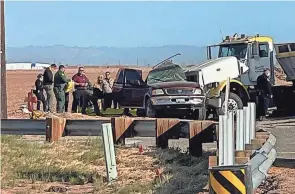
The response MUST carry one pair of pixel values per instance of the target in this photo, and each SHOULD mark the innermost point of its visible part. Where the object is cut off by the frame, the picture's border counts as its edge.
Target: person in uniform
(48, 86)
(107, 88)
(39, 92)
(264, 94)
(60, 82)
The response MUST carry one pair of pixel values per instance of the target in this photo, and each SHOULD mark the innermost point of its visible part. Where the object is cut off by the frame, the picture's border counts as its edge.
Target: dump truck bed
(285, 54)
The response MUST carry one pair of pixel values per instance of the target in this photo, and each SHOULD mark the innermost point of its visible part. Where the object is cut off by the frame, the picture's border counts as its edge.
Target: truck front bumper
(178, 102)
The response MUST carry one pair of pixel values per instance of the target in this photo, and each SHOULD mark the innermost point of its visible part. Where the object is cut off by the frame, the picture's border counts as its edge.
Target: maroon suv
(164, 92)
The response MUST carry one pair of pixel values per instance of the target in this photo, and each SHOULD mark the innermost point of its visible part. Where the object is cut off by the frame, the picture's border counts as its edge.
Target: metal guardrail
(23, 127)
(141, 128)
(84, 127)
(197, 132)
(262, 161)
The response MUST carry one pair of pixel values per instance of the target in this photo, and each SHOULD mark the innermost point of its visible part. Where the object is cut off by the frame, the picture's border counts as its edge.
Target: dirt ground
(19, 83)
(76, 165)
(280, 181)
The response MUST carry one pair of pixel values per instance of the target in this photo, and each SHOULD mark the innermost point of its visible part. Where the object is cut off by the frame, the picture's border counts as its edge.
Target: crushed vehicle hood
(175, 84)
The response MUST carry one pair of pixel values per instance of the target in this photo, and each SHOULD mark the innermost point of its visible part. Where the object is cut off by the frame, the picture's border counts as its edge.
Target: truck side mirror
(255, 49)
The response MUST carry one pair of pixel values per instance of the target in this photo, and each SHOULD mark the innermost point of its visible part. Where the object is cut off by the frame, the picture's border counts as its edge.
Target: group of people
(84, 93)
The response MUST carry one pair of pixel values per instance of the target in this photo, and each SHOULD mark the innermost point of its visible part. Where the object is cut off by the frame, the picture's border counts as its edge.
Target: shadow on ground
(181, 172)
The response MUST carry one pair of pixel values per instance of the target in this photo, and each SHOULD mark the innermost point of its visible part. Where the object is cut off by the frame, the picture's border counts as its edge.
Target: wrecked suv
(165, 92)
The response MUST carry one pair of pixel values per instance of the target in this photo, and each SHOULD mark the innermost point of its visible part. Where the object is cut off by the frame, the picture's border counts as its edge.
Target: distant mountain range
(105, 55)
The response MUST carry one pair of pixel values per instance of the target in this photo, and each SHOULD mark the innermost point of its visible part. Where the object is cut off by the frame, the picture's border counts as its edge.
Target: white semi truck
(243, 58)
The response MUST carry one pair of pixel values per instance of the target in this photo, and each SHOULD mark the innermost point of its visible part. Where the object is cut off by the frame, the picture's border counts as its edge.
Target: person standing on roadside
(48, 86)
(264, 94)
(67, 99)
(93, 95)
(107, 88)
(60, 82)
(39, 92)
(81, 86)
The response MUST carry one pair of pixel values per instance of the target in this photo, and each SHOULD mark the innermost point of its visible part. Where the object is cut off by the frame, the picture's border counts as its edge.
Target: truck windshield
(166, 74)
(237, 50)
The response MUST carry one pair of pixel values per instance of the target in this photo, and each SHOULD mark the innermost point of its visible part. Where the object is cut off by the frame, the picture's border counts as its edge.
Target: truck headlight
(157, 92)
(198, 91)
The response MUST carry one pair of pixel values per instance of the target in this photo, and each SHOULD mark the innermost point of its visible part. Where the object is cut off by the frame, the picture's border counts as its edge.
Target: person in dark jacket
(82, 84)
(39, 93)
(48, 86)
(264, 93)
(60, 82)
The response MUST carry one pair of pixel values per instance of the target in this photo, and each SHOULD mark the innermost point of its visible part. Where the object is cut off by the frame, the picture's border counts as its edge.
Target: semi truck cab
(242, 58)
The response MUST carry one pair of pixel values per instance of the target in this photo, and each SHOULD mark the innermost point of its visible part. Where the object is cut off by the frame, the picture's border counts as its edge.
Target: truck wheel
(149, 109)
(234, 103)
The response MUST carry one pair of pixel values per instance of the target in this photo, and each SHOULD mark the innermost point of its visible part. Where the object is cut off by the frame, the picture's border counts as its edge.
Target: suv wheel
(149, 109)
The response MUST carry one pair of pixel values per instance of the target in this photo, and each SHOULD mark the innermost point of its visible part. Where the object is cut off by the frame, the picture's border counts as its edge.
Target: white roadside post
(221, 140)
(247, 124)
(240, 145)
(252, 107)
(227, 131)
(230, 139)
(109, 151)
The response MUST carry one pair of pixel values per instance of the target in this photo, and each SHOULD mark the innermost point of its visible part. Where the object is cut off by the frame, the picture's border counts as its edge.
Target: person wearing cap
(60, 82)
(82, 85)
(39, 92)
(264, 94)
(48, 86)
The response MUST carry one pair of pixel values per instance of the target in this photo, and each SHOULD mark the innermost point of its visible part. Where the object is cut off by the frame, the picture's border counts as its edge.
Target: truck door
(134, 88)
(259, 59)
(118, 86)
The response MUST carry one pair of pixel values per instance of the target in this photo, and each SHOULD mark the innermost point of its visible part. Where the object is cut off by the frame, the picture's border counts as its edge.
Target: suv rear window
(132, 75)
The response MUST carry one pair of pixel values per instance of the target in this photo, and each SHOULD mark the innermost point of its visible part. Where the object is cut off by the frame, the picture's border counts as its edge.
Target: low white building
(26, 66)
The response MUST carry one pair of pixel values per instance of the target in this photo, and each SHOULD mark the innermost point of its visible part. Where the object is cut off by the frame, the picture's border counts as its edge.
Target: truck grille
(179, 91)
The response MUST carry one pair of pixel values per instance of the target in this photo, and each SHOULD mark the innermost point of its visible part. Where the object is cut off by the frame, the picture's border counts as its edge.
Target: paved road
(284, 131)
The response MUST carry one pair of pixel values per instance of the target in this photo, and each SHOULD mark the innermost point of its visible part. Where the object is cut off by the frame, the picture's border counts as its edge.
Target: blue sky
(128, 24)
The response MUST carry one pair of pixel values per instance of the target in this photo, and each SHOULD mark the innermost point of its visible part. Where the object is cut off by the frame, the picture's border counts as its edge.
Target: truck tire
(150, 110)
(234, 103)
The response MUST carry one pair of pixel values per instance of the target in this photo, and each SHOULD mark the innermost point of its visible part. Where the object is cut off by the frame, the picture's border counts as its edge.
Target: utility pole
(3, 63)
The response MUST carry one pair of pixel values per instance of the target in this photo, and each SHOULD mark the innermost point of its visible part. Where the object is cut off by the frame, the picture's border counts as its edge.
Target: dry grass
(69, 161)
(77, 165)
